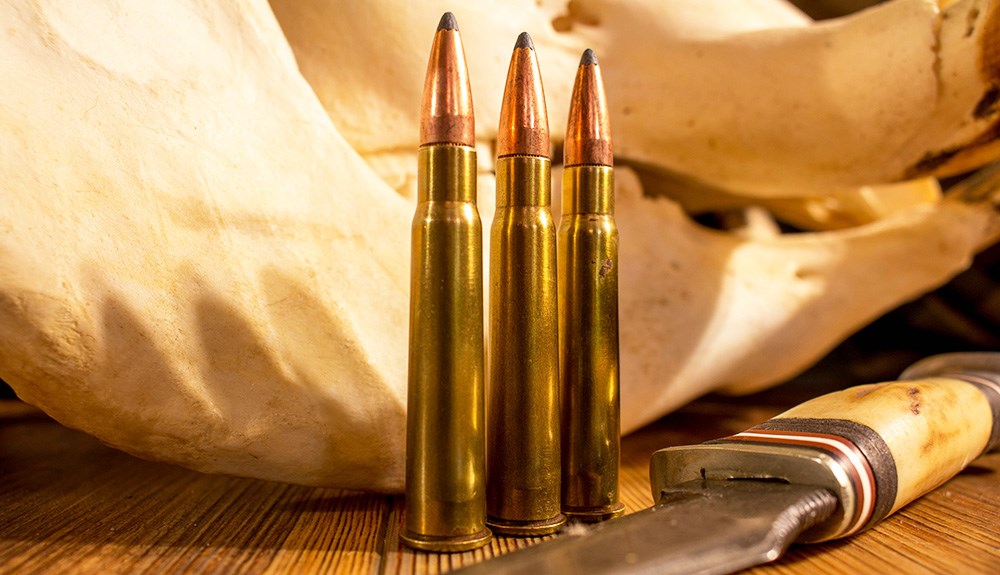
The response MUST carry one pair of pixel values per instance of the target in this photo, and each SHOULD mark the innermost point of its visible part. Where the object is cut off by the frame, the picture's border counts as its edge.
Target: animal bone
(196, 267)
(745, 96)
(706, 310)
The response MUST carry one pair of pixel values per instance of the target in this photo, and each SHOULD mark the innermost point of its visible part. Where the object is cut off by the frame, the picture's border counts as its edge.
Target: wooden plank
(70, 504)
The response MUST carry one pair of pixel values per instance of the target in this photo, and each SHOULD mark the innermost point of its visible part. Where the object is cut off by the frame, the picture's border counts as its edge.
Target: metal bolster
(734, 460)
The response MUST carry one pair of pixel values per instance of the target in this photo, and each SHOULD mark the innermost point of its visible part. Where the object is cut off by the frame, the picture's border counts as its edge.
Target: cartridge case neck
(446, 173)
(524, 181)
(588, 190)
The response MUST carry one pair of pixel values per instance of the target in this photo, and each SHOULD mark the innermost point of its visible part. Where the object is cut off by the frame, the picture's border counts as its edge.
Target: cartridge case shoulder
(596, 231)
(588, 262)
(458, 217)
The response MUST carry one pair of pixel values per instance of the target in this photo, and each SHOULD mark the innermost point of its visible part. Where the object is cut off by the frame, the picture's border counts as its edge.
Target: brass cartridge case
(588, 334)
(446, 444)
(523, 472)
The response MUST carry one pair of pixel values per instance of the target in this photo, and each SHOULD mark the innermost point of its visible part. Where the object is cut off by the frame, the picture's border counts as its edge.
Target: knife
(828, 468)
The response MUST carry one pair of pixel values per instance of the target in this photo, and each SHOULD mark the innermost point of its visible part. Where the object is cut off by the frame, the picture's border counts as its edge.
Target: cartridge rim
(446, 543)
(595, 514)
(526, 528)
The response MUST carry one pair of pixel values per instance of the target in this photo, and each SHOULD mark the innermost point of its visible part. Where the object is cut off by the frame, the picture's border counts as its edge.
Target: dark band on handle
(877, 446)
(873, 473)
(862, 452)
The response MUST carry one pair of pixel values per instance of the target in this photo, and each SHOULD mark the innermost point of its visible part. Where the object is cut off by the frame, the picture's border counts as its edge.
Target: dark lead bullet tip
(448, 22)
(446, 115)
(524, 121)
(588, 129)
(524, 41)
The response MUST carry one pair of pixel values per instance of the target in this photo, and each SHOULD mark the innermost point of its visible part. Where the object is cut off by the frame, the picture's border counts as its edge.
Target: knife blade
(825, 469)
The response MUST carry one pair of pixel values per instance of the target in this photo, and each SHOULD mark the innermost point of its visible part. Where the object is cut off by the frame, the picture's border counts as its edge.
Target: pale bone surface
(196, 266)
(746, 96)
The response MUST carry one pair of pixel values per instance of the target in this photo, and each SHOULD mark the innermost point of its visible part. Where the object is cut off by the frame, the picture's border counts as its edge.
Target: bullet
(522, 488)
(445, 426)
(588, 306)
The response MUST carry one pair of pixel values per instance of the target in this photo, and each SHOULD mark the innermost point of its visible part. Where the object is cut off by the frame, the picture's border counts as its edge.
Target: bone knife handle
(876, 446)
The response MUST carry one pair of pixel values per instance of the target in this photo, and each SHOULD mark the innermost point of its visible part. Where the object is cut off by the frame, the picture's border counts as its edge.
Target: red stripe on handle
(850, 458)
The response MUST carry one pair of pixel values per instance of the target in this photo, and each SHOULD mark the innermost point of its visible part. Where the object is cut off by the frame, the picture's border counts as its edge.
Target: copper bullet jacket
(588, 308)
(524, 119)
(588, 130)
(445, 431)
(523, 409)
(447, 116)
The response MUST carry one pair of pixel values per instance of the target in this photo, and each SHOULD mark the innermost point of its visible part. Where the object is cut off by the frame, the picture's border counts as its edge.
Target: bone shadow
(61, 487)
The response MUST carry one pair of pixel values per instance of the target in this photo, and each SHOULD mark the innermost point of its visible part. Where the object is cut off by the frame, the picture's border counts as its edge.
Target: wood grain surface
(68, 504)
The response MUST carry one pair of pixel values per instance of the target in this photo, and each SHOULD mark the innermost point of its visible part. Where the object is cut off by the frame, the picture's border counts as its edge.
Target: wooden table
(70, 504)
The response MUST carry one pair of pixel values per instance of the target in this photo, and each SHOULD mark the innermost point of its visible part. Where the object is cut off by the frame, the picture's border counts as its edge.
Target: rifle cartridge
(523, 470)
(445, 431)
(588, 307)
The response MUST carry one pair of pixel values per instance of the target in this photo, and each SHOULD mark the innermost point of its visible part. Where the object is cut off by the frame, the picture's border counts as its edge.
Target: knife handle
(876, 446)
